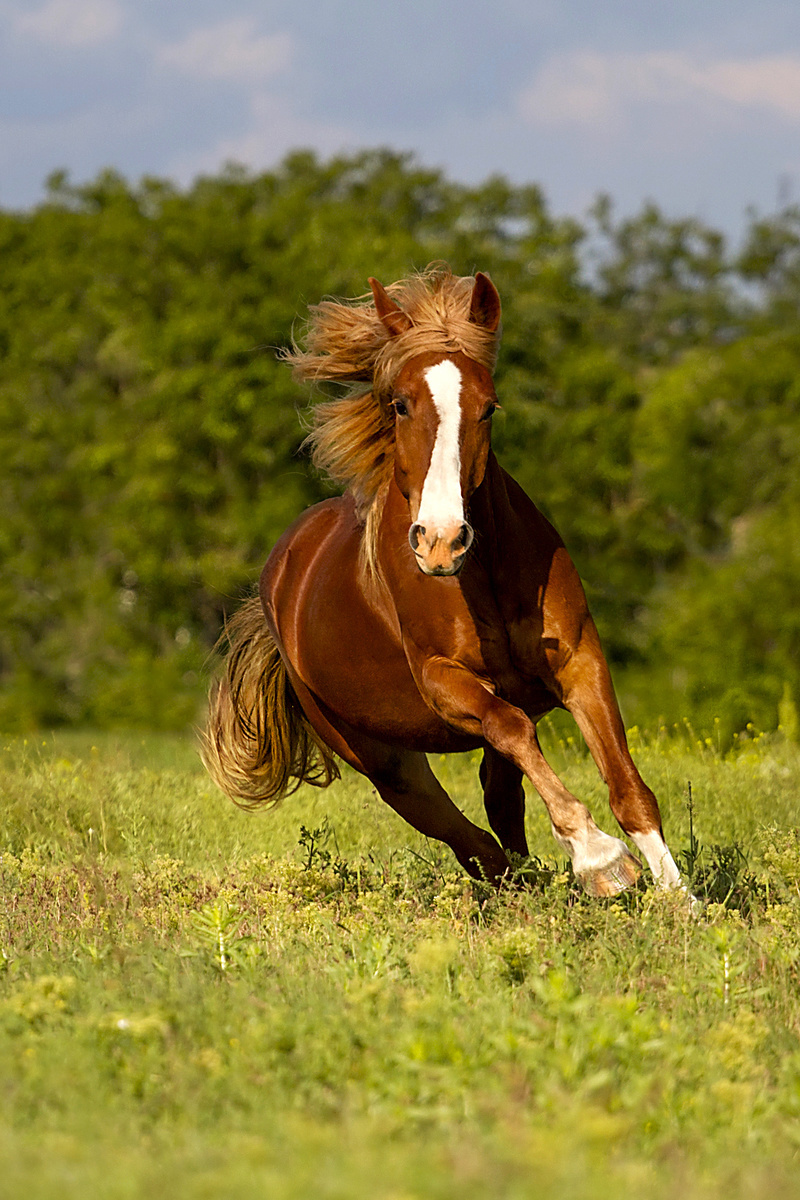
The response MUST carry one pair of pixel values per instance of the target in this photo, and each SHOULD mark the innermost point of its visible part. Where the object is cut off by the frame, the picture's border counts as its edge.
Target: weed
(218, 925)
(204, 1001)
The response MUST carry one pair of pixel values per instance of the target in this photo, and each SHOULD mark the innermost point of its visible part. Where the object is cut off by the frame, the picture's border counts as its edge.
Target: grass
(317, 1002)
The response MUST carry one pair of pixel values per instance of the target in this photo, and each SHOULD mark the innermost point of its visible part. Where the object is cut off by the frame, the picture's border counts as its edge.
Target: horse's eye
(490, 411)
(399, 408)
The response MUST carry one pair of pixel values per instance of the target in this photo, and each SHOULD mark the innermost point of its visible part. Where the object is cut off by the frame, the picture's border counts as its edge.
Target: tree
(151, 439)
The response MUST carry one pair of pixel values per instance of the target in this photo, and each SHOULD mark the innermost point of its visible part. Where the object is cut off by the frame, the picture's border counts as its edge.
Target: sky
(694, 104)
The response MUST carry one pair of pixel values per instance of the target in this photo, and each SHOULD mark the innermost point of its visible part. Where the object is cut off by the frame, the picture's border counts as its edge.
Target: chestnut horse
(430, 609)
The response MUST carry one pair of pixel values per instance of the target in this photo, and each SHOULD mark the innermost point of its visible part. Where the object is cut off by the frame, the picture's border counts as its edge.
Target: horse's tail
(258, 744)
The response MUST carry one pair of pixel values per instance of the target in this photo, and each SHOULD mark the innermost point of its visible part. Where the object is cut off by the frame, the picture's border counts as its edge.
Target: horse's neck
(490, 506)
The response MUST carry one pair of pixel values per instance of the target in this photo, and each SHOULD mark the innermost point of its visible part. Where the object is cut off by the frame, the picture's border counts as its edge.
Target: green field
(315, 1002)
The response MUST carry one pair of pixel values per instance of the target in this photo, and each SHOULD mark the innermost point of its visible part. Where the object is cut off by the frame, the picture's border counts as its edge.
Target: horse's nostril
(414, 534)
(463, 541)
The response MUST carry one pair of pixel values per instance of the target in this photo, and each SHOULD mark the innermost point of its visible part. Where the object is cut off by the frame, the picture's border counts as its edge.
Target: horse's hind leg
(407, 783)
(504, 800)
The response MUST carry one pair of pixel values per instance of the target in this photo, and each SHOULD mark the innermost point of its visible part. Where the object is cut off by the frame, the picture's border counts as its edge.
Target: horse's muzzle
(440, 551)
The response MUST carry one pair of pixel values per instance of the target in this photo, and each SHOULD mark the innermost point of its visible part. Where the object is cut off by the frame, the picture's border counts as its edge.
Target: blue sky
(693, 104)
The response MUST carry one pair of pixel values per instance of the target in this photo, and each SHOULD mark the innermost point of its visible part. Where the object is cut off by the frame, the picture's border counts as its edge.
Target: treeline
(150, 439)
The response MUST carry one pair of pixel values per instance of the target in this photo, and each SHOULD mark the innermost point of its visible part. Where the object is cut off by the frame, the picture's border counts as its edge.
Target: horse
(430, 608)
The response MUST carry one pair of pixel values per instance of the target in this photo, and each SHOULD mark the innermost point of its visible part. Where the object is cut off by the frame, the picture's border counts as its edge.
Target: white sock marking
(591, 849)
(441, 503)
(659, 859)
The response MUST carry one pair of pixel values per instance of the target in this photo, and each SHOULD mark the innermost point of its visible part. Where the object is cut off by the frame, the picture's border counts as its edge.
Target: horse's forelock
(349, 342)
(438, 304)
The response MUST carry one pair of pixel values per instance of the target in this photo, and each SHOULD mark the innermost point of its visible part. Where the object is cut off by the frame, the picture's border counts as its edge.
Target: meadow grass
(315, 1001)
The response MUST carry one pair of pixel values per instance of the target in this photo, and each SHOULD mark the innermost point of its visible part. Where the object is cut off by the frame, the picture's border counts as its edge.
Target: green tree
(150, 439)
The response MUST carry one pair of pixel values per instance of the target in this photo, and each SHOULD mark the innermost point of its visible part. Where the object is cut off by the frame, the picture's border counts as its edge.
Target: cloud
(71, 22)
(772, 83)
(274, 129)
(597, 90)
(230, 50)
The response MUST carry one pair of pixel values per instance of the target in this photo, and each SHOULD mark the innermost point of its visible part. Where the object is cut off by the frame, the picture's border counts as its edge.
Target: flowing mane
(352, 438)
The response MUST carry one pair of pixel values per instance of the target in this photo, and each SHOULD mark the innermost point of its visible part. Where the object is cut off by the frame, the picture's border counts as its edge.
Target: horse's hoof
(621, 873)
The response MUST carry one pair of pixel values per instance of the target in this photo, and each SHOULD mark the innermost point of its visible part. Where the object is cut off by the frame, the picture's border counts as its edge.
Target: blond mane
(352, 438)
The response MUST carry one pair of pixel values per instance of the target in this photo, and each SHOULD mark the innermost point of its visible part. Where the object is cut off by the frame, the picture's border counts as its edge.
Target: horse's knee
(507, 729)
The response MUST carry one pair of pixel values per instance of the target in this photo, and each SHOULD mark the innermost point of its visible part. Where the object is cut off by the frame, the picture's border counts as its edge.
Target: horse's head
(443, 404)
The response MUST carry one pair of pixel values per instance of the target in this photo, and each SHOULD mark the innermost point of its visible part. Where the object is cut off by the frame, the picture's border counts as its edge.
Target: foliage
(180, 1009)
(150, 440)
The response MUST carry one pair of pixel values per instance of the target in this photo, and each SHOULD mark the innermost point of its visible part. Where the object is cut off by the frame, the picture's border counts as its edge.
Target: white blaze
(442, 504)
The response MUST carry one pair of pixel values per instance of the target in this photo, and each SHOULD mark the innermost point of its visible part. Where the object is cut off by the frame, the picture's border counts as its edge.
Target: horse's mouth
(440, 571)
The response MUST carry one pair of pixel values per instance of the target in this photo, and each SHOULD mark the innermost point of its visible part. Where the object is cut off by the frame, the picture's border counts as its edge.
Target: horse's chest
(498, 645)
(507, 635)
(524, 635)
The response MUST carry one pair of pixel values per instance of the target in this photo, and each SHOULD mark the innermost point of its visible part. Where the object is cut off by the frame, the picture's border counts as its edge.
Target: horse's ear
(484, 308)
(392, 315)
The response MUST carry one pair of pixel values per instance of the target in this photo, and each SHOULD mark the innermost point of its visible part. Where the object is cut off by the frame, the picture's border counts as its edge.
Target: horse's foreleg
(407, 783)
(504, 800)
(603, 864)
(588, 694)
